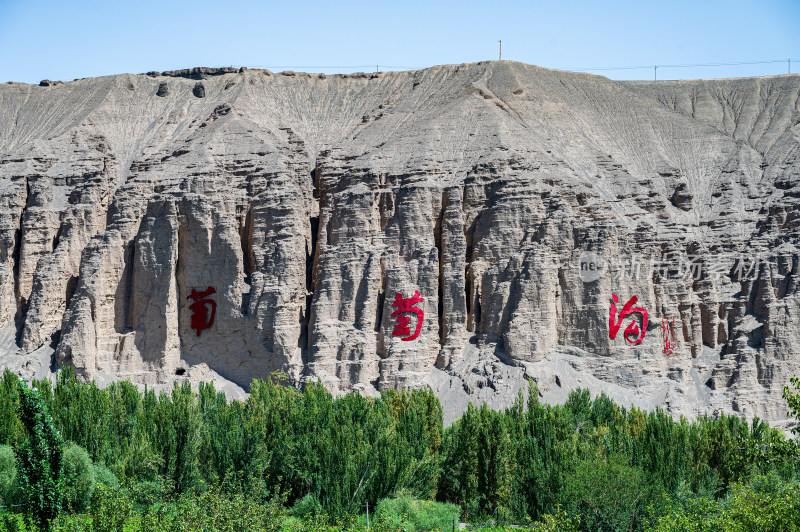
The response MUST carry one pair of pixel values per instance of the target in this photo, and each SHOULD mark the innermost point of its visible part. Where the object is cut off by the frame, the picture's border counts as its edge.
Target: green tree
(8, 472)
(792, 398)
(11, 429)
(77, 474)
(609, 495)
(176, 424)
(39, 460)
(110, 509)
(545, 439)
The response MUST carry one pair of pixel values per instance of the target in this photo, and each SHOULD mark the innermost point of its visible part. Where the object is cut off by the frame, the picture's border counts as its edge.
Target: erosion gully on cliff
(518, 201)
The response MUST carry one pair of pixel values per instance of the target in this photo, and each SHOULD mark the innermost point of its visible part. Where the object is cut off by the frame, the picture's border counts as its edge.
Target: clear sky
(63, 40)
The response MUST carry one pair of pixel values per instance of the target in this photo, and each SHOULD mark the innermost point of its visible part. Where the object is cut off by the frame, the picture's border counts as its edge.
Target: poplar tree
(39, 460)
(792, 398)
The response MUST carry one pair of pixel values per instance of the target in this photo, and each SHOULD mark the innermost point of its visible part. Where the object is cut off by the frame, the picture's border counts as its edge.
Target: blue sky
(66, 40)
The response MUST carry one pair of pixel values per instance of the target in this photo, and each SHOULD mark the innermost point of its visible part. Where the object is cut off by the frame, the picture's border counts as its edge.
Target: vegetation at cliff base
(74, 456)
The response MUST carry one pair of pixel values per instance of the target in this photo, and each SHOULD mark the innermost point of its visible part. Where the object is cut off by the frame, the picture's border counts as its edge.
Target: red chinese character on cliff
(668, 334)
(407, 305)
(632, 330)
(203, 309)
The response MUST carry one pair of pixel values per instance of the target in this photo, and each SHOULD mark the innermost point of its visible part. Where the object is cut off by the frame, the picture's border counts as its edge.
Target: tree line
(589, 461)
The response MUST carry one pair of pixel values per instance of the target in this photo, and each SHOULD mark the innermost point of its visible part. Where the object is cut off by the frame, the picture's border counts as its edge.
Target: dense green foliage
(77, 475)
(608, 494)
(8, 472)
(286, 458)
(517, 463)
(407, 513)
(39, 460)
(765, 507)
(792, 399)
(347, 452)
(111, 508)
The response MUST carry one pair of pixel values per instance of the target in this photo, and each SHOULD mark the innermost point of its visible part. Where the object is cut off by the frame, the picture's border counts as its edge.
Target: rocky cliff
(518, 201)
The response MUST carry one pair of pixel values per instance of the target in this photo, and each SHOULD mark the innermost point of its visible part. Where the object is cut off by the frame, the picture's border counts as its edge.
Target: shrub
(214, 510)
(77, 474)
(306, 507)
(111, 508)
(608, 495)
(742, 510)
(8, 471)
(146, 493)
(407, 513)
(104, 476)
(558, 522)
(11, 523)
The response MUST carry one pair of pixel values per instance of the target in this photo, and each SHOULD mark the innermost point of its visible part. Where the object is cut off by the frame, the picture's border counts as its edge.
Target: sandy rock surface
(516, 200)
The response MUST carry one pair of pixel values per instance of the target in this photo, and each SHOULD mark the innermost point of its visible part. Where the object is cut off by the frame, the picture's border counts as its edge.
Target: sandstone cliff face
(307, 202)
